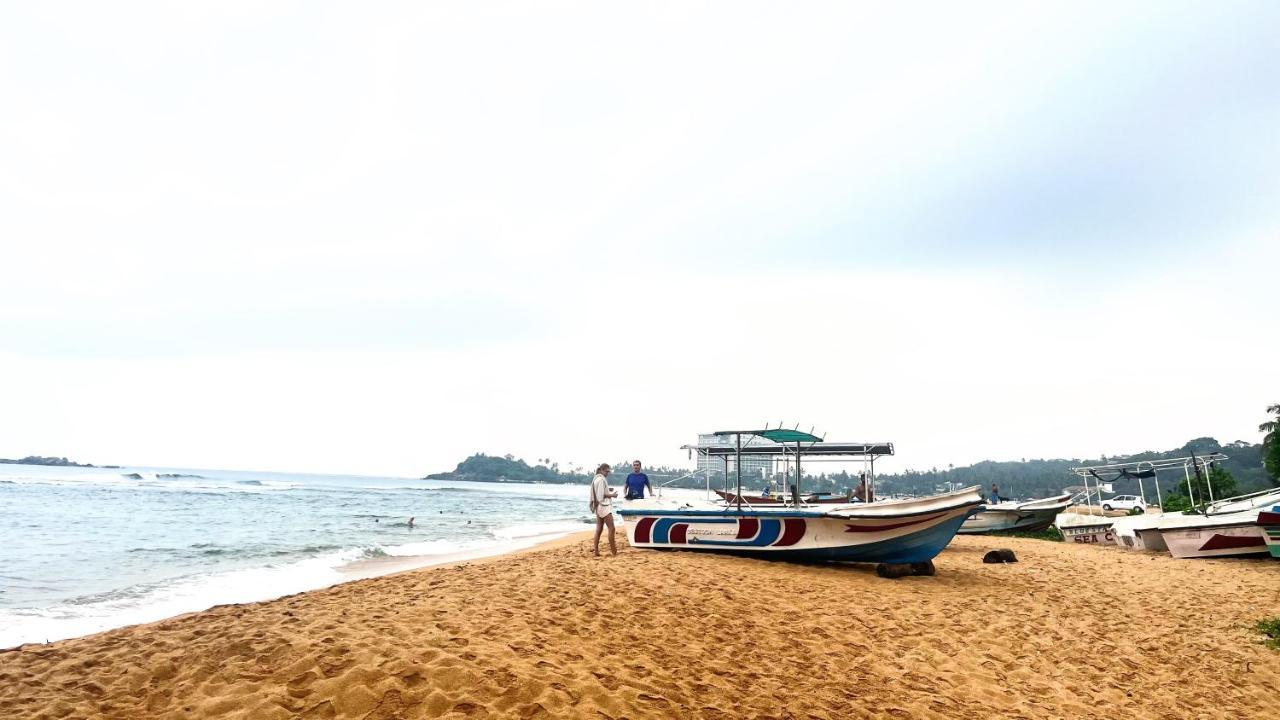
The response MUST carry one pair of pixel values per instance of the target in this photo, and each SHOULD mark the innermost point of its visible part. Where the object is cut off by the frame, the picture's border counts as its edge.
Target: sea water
(89, 549)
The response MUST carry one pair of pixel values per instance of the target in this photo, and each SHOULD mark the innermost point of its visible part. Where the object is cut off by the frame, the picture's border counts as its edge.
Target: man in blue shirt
(637, 482)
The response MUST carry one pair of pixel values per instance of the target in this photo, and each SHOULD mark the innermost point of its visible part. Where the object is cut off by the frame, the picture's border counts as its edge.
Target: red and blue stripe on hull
(781, 538)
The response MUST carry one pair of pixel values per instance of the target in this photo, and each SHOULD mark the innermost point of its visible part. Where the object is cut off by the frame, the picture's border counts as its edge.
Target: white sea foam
(200, 592)
(150, 480)
(183, 595)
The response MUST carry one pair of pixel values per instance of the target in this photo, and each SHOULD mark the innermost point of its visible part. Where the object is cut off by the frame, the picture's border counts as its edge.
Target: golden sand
(1070, 632)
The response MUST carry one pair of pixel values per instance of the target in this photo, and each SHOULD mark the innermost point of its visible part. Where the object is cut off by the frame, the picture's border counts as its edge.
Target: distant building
(757, 468)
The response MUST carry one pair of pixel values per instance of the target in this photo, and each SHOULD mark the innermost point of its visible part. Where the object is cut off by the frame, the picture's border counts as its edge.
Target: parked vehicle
(1124, 502)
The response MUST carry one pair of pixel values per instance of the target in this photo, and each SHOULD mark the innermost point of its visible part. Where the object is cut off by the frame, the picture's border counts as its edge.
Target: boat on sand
(1140, 532)
(1009, 515)
(1085, 529)
(909, 532)
(1228, 528)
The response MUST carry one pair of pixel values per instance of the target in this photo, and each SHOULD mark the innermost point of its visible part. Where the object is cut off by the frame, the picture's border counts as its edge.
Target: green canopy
(778, 435)
(783, 435)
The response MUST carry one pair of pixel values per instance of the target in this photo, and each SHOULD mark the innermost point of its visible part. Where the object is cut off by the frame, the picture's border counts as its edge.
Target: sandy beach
(1068, 632)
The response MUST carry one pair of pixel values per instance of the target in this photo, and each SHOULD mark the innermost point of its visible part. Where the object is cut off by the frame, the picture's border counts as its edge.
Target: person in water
(602, 505)
(637, 482)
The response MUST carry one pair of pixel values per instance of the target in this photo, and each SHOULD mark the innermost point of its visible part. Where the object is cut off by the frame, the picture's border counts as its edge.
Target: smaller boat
(1205, 536)
(1086, 529)
(1269, 521)
(1140, 532)
(1008, 515)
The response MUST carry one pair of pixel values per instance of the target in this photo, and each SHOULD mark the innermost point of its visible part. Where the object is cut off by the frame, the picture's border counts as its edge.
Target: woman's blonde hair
(602, 468)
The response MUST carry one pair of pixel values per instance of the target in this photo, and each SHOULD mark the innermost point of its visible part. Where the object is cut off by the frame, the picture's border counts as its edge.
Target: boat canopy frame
(787, 444)
(1140, 469)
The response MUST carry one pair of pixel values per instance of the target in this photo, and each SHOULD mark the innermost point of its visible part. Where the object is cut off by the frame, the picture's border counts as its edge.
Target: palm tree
(1271, 442)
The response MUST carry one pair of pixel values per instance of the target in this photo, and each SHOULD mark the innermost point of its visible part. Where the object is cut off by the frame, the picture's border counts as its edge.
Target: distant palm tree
(1269, 427)
(1271, 442)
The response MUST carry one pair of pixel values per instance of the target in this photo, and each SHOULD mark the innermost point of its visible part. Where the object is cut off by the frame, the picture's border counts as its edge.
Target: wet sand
(1072, 631)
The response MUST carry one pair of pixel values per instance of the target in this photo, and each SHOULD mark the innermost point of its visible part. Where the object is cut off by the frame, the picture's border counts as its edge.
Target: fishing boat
(1269, 521)
(1085, 529)
(1009, 515)
(1204, 536)
(1228, 528)
(1140, 532)
(1133, 532)
(891, 532)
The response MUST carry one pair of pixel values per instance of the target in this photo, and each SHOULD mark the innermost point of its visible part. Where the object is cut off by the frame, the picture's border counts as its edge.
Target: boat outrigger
(892, 532)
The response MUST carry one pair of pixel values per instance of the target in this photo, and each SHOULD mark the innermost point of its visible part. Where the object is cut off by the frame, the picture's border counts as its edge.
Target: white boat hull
(1088, 534)
(1243, 538)
(1139, 532)
(1150, 539)
(1016, 516)
(1086, 529)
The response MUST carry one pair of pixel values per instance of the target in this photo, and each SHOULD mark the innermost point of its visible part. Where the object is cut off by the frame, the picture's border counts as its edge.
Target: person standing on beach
(602, 505)
(637, 482)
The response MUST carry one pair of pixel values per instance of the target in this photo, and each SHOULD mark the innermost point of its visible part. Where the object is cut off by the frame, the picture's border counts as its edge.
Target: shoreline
(551, 631)
(369, 568)
(355, 570)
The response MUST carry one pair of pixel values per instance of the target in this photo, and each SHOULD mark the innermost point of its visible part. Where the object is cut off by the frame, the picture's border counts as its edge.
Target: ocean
(88, 549)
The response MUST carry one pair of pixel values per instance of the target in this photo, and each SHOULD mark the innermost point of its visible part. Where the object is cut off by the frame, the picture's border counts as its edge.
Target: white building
(756, 468)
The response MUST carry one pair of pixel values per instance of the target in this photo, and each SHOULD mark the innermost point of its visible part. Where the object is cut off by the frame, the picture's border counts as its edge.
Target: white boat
(1260, 500)
(1203, 536)
(1085, 529)
(1139, 532)
(1008, 515)
(889, 531)
(1228, 528)
(897, 532)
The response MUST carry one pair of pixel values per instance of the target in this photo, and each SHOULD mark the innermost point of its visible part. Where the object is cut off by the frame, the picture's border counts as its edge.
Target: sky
(375, 239)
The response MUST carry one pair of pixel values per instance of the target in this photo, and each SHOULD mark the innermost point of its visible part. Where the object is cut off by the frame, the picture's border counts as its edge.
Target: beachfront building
(757, 468)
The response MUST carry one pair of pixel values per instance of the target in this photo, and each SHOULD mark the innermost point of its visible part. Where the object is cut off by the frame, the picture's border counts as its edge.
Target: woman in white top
(602, 505)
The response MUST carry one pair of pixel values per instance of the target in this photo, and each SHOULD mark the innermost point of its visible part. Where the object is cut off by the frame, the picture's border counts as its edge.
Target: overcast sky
(376, 238)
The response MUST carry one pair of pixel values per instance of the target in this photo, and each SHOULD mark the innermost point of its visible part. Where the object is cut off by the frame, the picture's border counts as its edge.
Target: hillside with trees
(508, 468)
(1038, 478)
(1249, 467)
